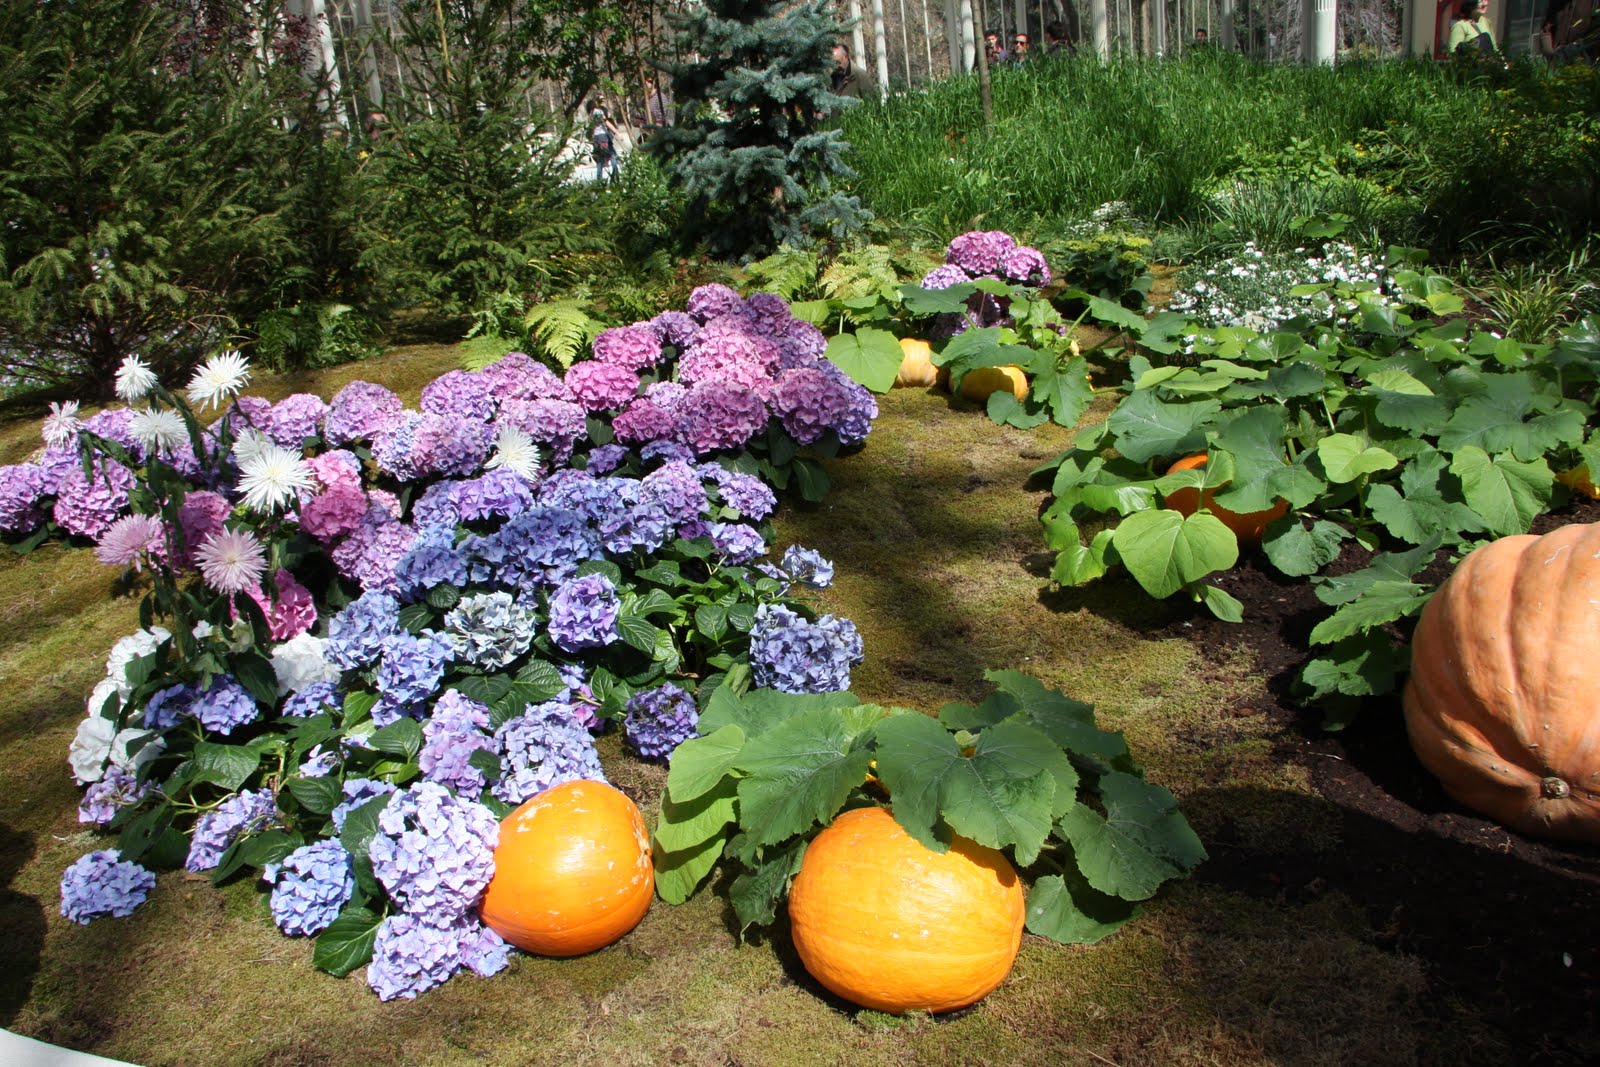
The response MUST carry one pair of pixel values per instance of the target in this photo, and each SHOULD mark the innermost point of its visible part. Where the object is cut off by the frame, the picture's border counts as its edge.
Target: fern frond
(561, 328)
(787, 272)
(860, 272)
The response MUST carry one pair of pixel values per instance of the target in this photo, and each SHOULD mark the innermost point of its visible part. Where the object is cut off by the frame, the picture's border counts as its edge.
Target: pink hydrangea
(979, 251)
(944, 276)
(601, 386)
(292, 613)
(200, 517)
(450, 444)
(1025, 265)
(719, 414)
(88, 506)
(295, 418)
(666, 395)
(359, 412)
(517, 376)
(733, 359)
(710, 301)
(334, 513)
(643, 420)
(635, 347)
(809, 402)
(459, 393)
(335, 467)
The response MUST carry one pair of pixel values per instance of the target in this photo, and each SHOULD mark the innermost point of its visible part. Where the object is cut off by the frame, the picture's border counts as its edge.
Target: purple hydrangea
(394, 448)
(713, 301)
(809, 402)
(643, 420)
(116, 424)
(541, 546)
(791, 654)
(357, 793)
(369, 553)
(659, 720)
(677, 328)
(434, 560)
(357, 633)
(294, 419)
(603, 459)
(314, 699)
(555, 424)
(634, 348)
(224, 706)
(459, 394)
(1025, 265)
(807, 566)
(434, 852)
(415, 953)
(583, 613)
(721, 415)
(601, 386)
(493, 494)
(101, 884)
(641, 524)
(243, 813)
(116, 790)
(544, 746)
(447, 444)
(167, 706)
(768, 313)
(979, 251)
(801, 344)
(456, 730)
(668, 396)
(22, 488)
(318, 763)
(677, 488)
(736, 542)
(731, 359)
(666, 452)
(745, 493)
(411, 667)
(310, 887)
(88, 506)
(862, 408)
(944, 276)
(516, 376)
(359, 412)
(490, 630)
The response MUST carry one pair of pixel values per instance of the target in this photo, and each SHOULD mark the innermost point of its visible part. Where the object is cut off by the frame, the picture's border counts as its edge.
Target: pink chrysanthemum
(232, 561)
(130, 539)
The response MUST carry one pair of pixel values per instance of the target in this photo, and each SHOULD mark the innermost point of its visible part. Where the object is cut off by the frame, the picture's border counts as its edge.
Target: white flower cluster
(1252, 289)
(98, 739)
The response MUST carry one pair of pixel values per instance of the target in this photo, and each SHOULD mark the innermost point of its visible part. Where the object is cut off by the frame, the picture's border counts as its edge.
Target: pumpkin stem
(1555, 789)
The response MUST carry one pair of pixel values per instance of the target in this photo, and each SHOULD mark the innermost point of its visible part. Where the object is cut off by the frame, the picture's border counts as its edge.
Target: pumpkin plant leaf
(1221, 603)
(869, 356)
(691, 823)
(1081, 564)
(759, 710)
(1347, 457)
(1066, 909)
(679, 874)
(800, 772)
(1506, 493)
(1385, 566)
(1382, 602)
(1164, 551)
(755, 893)
(698, 764)
(347, 943)
(1147, 426)
(1298, 550)
(1426, 509)
(1140, 842)
(1069, 723)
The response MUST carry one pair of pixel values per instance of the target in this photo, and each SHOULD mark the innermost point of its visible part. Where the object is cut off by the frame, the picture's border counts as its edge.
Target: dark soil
(1507, 926)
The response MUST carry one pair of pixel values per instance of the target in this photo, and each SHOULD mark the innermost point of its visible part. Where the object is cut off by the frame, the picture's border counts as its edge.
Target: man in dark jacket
(850, 78)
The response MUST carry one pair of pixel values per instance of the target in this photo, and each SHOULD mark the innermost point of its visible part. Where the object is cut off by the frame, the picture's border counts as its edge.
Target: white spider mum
(272, 477)
(515, 452)
(158, 430)
(134, 379)
(61, 425)
(218, 380)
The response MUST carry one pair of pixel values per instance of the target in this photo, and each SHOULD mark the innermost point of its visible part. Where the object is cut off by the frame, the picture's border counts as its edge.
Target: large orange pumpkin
(981, 381)
(572, 872)
(888, 924)
(1500, 703)
(916, 364)
(1248, 527)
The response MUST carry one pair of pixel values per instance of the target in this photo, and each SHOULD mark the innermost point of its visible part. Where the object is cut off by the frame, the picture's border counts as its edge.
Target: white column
(1158, 25)
(880, 46)
(1099, 31)
(1227, 25)
(1320, 36)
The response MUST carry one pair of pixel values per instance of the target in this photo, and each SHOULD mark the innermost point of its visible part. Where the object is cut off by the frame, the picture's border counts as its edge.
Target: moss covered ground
(934, 532)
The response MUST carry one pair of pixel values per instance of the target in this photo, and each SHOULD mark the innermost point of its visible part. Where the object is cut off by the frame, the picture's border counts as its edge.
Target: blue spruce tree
(753, 151)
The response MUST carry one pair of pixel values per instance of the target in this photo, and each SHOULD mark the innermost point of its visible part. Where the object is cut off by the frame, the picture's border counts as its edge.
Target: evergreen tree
(752, 151)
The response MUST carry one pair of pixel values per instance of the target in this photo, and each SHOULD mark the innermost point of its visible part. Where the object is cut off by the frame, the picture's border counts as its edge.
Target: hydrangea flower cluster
(434, 852)
(115, 791)
(583, 613)
(986, 254)
(659, 720)
(243, 813)
(490, 630)
(414, 953)
(310, 887)
(792, 654)
(542, 747)
(102, 884)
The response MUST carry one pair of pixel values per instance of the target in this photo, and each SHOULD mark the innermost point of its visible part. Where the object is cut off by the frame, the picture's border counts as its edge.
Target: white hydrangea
(300, 662)
(99, 738)
(137, 644)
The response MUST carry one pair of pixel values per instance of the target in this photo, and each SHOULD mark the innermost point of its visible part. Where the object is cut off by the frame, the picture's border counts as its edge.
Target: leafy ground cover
(1348, 912)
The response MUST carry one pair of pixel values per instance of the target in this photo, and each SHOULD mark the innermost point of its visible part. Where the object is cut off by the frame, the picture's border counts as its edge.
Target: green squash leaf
(1066, 909)
(800, 772)
(1165, 551)
(1140, 842)
(1505, 493)
(700, 763)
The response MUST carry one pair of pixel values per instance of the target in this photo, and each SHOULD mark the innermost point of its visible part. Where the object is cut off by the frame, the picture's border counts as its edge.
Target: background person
(1471, 32)
(850, 79)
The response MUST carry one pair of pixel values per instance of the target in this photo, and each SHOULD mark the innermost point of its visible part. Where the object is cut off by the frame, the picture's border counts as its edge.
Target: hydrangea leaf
(755, 894)
(686, 825)
(1298, 550)
(1140, 842)
(1505, 493)
(347, 943)
(871, 357)
(800, 772)
(360, 826)
(317, 795)
(139, 835)
(812, 479)
(403, 737)
(1382, 602)
(1347, 457)
(254, 672)
(1066, 909)
(228, 766)
(637, 632)
(711, 620)
(1002, 795)
(697, 765)
(1147, 426)
(1164, 551)
(357, 707)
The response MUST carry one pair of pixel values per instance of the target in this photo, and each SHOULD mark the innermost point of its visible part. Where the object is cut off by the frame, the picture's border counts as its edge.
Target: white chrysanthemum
(61, 425)
(249, 445)
(515, 452)
(158, 430)
(218, 380)
(272, 477)
(134, 379)
(300, 662)
(231, 561)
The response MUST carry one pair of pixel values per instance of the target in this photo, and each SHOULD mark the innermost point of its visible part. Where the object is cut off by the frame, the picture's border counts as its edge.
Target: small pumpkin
(981, 381)
(888, 924)
(916, 366)
(1247, 527)
(1500, 701)
(572, 872)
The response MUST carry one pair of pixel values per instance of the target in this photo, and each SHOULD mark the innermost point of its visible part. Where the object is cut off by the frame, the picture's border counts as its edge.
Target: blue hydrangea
(433, 560)
(677, 487)
(415, 953)
(751, 497)
(606, 458)
(116, 789)
(225, 705)
(356, 634)
(411, 667)
(457, 729)
(542, 747)
(583, 613)
(310, 887)
(357, 791)
(736, 542)
(434, 852)
(318, 763)
(101, 884)
(793, 655)
(808, 567)
(541, 546)
(667, 451)
(490, 630)
(314, 699)
(659, 720)
(167, 706)
(243, 813)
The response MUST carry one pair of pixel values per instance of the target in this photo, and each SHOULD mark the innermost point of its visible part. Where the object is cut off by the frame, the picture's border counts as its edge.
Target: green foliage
(1112, 264)
(305, 336)
(1371, 425)
(750, 151)
(1026, 771)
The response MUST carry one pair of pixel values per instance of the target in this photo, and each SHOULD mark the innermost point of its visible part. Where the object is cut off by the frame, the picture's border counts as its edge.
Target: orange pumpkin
(1500, 705)
(572, 872)
(1248, 527)
(888, 924)
(981, 381)
(916, 367)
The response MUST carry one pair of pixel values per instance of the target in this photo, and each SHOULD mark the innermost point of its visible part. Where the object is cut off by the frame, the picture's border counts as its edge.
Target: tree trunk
(983, 73)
